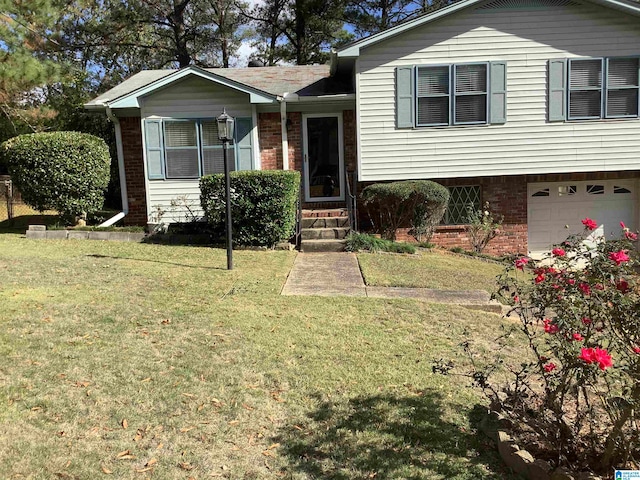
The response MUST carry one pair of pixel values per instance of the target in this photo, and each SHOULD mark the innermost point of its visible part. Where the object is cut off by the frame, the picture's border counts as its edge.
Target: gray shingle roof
(302, 79)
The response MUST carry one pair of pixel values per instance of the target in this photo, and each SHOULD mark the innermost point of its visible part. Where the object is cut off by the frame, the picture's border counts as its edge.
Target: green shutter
(404, 97)
(498, 93)
(244, 143)
(557, 90)
(155, 149)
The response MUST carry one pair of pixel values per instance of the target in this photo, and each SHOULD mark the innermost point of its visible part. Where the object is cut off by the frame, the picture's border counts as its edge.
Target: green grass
(432, 269)
(152, 361)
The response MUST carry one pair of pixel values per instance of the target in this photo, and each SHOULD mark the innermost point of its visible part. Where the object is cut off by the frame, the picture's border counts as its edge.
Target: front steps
(324, 230)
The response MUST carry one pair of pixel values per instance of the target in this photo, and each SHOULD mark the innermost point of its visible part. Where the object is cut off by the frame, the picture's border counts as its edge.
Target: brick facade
(134, 170)
(507, 196)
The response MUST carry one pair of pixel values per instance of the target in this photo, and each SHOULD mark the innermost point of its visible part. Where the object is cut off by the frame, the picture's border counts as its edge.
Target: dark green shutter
(404, 97)
(557, 90)
(244, 143)
(498, 93)
(155, 149)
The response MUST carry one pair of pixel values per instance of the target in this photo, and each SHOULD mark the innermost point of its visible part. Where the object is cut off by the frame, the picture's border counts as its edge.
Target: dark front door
(323, 157)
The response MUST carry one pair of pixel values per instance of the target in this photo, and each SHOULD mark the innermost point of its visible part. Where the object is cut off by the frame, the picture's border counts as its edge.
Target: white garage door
(552, 206)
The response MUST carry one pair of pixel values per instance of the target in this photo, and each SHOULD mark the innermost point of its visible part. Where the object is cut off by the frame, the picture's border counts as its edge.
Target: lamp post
(225, 134)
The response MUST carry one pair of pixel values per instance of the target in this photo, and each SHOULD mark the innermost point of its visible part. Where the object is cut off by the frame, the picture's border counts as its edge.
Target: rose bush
(579, 309)
(575, 398)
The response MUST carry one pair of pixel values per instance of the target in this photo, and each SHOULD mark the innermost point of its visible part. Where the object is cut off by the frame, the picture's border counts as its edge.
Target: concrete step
(325, 212)
(324, 233)
(325, 222)
(308, 246)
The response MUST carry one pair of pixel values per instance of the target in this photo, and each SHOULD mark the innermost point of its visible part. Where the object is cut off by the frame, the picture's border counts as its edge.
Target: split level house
(531, 105)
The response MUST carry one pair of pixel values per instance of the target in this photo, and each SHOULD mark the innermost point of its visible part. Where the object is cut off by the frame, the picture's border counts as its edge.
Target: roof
(353, 49)
(271, 81)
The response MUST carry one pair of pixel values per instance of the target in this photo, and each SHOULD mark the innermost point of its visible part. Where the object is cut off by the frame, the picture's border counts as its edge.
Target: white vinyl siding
(527, 143)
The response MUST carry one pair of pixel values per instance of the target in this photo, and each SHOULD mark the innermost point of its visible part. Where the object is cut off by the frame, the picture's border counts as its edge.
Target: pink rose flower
(549, 367)
(589, 224)
(558, 252)
(619, 257)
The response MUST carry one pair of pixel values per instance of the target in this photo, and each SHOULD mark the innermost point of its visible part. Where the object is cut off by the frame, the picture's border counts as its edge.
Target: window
(185, 149)
(460, 199)
(567, 190)
(596, 88)
(458, 91)
(595, 189)
(543, 192)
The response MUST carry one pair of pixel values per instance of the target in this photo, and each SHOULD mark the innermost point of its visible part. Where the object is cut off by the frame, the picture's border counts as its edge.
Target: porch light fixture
(225, 134)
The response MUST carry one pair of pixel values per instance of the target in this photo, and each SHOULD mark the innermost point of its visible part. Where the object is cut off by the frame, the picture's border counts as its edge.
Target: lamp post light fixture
(225, 134)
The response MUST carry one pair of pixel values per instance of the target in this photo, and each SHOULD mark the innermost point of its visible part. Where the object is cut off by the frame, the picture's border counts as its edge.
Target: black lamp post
(225, 134)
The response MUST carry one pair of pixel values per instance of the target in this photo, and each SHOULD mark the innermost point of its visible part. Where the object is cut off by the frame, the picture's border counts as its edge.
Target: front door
(323, 157)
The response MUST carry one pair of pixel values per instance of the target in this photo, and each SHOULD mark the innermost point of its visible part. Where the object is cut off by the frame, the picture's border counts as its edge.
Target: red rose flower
(577, 337)
(622, 285)
(587, 321)
(558, 252)
(549, 327)
(596, 355)
(540, 278)
(549, 367)
(589, 224)
(521, 263)
(619, 257)
(631, 236)
(586, 289)
(636, 350)
(571, 281)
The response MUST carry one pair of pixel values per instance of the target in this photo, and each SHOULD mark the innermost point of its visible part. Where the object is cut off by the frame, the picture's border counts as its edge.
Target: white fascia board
(352, 51)
(131, 100)
(292, 97)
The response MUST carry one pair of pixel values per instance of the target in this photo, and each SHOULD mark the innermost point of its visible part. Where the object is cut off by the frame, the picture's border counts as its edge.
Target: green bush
(63, 171)
(357, 242)
(263, 205)
(419, 204)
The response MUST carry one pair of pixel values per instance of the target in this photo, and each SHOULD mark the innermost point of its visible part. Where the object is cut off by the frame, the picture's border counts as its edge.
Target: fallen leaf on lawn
(151, 462)
(83, 384)
(138, 436)
(165, 322)
(160, 445)
(123, 453)
(124, 423)
(275, 445)
(61, 433)
(267, 453)
(200, 407)
(234, 422)
(106, 470)
(247, 407)
(298, 427)
(148, 379)
(142, 470)
(218, 334)
(35, 409)
(190, 395)
(127, 457)
(186, 429)
(185, 466)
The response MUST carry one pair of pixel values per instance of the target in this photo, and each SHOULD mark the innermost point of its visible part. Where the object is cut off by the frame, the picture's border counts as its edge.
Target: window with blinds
(212, 154)
(603, 88)
(622, 87)
(451, 95)
(181, 149)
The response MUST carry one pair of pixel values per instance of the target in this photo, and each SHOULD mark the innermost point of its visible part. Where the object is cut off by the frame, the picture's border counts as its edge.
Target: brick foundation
(134, 170)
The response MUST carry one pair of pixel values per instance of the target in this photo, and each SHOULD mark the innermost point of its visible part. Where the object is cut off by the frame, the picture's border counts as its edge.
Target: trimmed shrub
(419, 204)
(357, 242)
(63, 171)
(263, 205)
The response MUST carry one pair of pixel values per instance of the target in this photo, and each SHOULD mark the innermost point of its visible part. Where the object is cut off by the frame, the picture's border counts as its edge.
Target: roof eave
(131, 99)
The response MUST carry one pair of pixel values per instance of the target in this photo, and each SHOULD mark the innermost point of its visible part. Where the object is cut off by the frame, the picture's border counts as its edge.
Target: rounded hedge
(63, 171)
(418, 204)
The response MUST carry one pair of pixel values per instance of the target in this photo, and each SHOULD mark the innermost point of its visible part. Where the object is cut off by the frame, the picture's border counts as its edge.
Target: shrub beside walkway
(338, 274)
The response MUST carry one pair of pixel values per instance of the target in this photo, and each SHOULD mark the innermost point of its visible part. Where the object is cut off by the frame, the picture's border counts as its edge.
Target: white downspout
(121, 172)
(283, 126)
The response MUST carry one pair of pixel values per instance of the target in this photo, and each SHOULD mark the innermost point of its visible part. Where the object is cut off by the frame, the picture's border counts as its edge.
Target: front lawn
(121, 360)
(431, 269)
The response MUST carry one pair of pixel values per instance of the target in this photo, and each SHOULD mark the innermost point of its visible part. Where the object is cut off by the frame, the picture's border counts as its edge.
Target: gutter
(283, 129)
(121, 173)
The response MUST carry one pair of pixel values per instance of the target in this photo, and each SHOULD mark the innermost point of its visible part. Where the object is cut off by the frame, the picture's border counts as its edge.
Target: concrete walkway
(338, 274)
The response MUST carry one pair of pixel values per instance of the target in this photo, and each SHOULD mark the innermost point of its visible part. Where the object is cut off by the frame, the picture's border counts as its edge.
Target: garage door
(552, 206)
